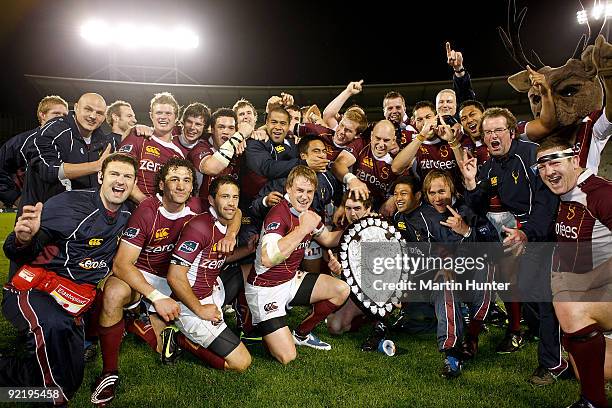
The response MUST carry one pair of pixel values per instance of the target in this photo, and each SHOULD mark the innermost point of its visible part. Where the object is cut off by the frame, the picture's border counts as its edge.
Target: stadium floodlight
(598, 11)
(133, 36)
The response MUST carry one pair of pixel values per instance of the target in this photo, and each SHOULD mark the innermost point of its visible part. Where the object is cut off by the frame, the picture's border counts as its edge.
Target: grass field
(344, 376)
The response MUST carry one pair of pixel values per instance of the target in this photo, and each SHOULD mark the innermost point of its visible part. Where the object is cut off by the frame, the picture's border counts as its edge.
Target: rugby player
(274, 283)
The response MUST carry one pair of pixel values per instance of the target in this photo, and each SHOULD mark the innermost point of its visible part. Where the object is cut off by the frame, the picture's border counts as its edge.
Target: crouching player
(275, 284)
(66, 251)
(203, 288)
(582, 268)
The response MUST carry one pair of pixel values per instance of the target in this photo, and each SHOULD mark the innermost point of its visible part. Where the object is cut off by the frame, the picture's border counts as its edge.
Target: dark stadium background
(277, 43)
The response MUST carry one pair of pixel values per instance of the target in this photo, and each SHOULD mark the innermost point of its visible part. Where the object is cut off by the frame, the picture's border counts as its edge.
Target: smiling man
(153, 152)
(275, 283)
(371, 162)
(219, 154)
(140, 268)
(67, 153)
(582, 269)
(67, 247)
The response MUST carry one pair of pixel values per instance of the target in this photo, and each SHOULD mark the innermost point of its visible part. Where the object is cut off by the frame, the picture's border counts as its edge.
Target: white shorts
(270, 302)
(199, 331)
(158, 283)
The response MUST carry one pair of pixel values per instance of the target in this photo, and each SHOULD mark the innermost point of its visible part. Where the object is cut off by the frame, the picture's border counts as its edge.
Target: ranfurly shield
(369, 238)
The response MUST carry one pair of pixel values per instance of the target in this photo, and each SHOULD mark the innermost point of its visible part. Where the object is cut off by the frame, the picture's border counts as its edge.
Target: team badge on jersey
(131, 232)
(401, 225)
(272, 226)
(126, 148)
(188, 247)
(279, 148)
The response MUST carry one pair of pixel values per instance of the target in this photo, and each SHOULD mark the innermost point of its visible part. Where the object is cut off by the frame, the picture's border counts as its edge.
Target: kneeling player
(197, 281)
(582, 268)
(275, 284)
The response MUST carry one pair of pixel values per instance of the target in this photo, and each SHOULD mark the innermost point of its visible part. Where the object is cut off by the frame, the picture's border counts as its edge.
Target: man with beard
(275, 283)
(121, 118)
(203, 287)
(67, 246)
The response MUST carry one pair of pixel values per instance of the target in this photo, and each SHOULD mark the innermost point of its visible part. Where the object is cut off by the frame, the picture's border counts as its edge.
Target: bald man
(67, 152)
(371, 162)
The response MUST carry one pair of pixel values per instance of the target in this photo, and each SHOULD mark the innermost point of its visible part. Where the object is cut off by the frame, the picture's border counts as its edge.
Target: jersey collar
(220, 227)
(575, 192)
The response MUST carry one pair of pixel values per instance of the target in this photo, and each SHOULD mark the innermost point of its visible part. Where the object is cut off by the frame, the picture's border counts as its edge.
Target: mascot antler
(512, 39)
(589, 37)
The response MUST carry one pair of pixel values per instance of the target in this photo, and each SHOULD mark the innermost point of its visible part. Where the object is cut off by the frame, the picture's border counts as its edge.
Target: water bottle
(386, 346)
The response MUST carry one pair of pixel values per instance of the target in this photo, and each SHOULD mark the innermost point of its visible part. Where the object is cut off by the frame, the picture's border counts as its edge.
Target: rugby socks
(320, 310)
(110, 343)
(200, 352)
(143, 330)
(588, 348)
(474, 328)
(92, 317)
(514, 316)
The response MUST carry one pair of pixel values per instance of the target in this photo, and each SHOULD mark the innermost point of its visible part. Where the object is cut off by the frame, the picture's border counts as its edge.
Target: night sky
(284, 42)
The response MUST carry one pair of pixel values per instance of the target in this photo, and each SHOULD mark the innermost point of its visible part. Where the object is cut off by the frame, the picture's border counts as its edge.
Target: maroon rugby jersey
(203, 149)
(154, 231)
(196, 248)
(331, 149)
(437, 154)
(584, 218)
(151, 154)
(281, 220)
(374, 172)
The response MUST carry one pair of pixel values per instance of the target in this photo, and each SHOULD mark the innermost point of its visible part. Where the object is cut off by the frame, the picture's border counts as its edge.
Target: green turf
(343, 376)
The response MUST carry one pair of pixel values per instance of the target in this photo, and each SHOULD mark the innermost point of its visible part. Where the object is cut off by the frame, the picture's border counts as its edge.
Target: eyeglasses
(498, 132)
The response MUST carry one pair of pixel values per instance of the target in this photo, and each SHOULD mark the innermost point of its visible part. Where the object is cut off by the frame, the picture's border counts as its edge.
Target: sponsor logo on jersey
(153, 249)
(212, 263)
(89, 263)
(493, 181)
(368, 162)
(424, 150)
(153, 151)
(279, 148)
(131, 232)
(126, 148)
(95, 242)
(162, 233)
(272, 226)
(246, 221)
(148, 165)
(566, 231)
(401, 225)
(270, 307)
(188, 247)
